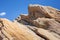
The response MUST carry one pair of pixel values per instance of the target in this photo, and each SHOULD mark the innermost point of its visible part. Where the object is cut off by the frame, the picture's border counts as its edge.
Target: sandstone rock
(41, 23)
(39, 11)
(14, 31)
(56, 35)
(36, 11)
(45, 18)
(49, 24)
(47, 35)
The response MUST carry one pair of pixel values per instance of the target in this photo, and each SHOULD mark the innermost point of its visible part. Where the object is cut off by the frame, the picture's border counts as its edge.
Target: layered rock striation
(41, 23)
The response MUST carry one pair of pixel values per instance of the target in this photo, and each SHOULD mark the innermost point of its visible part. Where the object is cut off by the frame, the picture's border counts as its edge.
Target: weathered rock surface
(42, 17)
(16, 31)
(41, 23)
(36, 11)
(49, 24)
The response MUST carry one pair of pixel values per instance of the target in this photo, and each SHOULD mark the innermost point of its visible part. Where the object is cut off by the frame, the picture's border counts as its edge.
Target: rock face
(16, 31)
(41, 23)
(45, 17)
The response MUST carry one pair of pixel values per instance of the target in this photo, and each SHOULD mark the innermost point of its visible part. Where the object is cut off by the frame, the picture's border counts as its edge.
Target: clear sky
(11, 9)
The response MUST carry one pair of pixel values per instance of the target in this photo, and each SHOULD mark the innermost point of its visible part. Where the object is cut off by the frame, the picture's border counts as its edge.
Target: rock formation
(41, 23)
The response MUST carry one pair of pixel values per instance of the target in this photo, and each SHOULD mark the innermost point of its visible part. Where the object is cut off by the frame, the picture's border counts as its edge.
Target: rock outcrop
(45, 17)
(41, 23)
(16, 31)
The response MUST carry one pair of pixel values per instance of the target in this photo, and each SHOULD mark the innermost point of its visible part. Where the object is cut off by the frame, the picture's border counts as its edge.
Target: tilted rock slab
(36, 11)
(15, 31)
(45, 17)
(47, 35)
(49, 24)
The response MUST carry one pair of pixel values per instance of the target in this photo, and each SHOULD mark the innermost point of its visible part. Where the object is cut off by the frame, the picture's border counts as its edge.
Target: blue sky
(11, 9)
